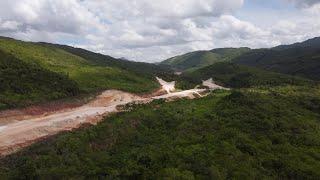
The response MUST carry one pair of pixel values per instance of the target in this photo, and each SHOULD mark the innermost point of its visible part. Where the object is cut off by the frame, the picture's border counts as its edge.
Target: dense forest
(198, 59)
(295, 60)
(298, 59)
(258, 133)
(238, 76)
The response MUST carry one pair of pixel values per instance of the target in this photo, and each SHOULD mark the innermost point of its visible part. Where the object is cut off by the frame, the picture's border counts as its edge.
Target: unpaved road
(167, 86)
(212, 85)
(16, 134)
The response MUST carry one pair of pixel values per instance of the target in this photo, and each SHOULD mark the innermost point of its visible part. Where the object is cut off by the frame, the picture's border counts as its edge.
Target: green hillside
(249, 134)
(89, 75)
(300, 59)
(238, 76)
(266, 127)
(311, 43)
(23, 83)
(194, 60)
(103, 60)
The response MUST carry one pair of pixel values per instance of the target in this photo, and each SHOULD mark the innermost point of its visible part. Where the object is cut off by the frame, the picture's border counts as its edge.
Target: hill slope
(22, 83)
(89, 75)
(38, 72)
(267, 127)
(104, 60)
(300, 59)
(238, 76)
(198, 59)
(271, 134)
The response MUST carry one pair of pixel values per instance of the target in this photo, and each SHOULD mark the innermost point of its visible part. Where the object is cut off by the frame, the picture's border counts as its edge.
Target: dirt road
(16, 134)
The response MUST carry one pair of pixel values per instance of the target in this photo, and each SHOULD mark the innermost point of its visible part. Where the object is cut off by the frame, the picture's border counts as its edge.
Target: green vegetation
(103, 60)
(195, 60)
(246, 134)
(267, 127)
(238, 76)
(89, 76)
(23, 84)
(300, 59)
(38, 72)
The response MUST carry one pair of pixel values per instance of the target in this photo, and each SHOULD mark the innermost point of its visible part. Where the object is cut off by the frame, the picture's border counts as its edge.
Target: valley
(68, 113)
(159, 89)
(16, 134)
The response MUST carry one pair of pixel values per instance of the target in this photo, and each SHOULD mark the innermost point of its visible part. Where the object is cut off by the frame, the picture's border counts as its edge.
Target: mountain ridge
(90, 72)
(298, 59)
(195, 60)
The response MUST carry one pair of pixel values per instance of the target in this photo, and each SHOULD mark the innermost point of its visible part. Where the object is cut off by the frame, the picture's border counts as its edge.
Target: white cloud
(304, 3)
(124, 10)
(49, 16)
(9, 25)
(149, 30)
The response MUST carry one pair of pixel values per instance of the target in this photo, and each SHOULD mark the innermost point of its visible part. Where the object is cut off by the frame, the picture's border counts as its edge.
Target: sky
(154, 30)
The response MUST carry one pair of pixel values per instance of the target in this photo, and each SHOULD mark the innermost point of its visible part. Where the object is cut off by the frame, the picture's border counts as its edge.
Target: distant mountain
(314, 42)
(299, 59)
(198, 59)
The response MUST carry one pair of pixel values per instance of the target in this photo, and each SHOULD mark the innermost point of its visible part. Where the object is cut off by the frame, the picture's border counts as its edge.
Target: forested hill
(23, 83)
(311, 43)
(105, 60)
(38, 72)
(233, 75)
(195, 60)
(266, 127)
(250, 133)
(300, 59)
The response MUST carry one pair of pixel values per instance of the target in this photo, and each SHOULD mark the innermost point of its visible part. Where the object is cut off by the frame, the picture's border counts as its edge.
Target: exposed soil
(20, 128)
(212, 85)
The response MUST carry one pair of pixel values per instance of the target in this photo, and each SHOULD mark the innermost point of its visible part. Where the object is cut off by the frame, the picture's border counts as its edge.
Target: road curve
(15, 135)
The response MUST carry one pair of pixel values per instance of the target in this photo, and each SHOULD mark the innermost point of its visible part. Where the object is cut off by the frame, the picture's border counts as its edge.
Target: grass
(89, 76)
(22, 84)
(33, 73)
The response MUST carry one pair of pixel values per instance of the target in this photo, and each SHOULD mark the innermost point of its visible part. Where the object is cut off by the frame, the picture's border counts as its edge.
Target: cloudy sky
(152, 30)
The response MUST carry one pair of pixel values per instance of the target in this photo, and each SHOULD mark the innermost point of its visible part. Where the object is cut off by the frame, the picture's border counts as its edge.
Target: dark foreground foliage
(244, 134)
(23, 84)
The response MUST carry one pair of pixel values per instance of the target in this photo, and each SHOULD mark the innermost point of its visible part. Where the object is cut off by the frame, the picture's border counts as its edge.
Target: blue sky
(266, 12)
(145, 30)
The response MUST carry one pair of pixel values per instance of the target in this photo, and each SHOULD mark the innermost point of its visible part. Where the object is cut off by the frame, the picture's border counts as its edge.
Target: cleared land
(16, 134)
